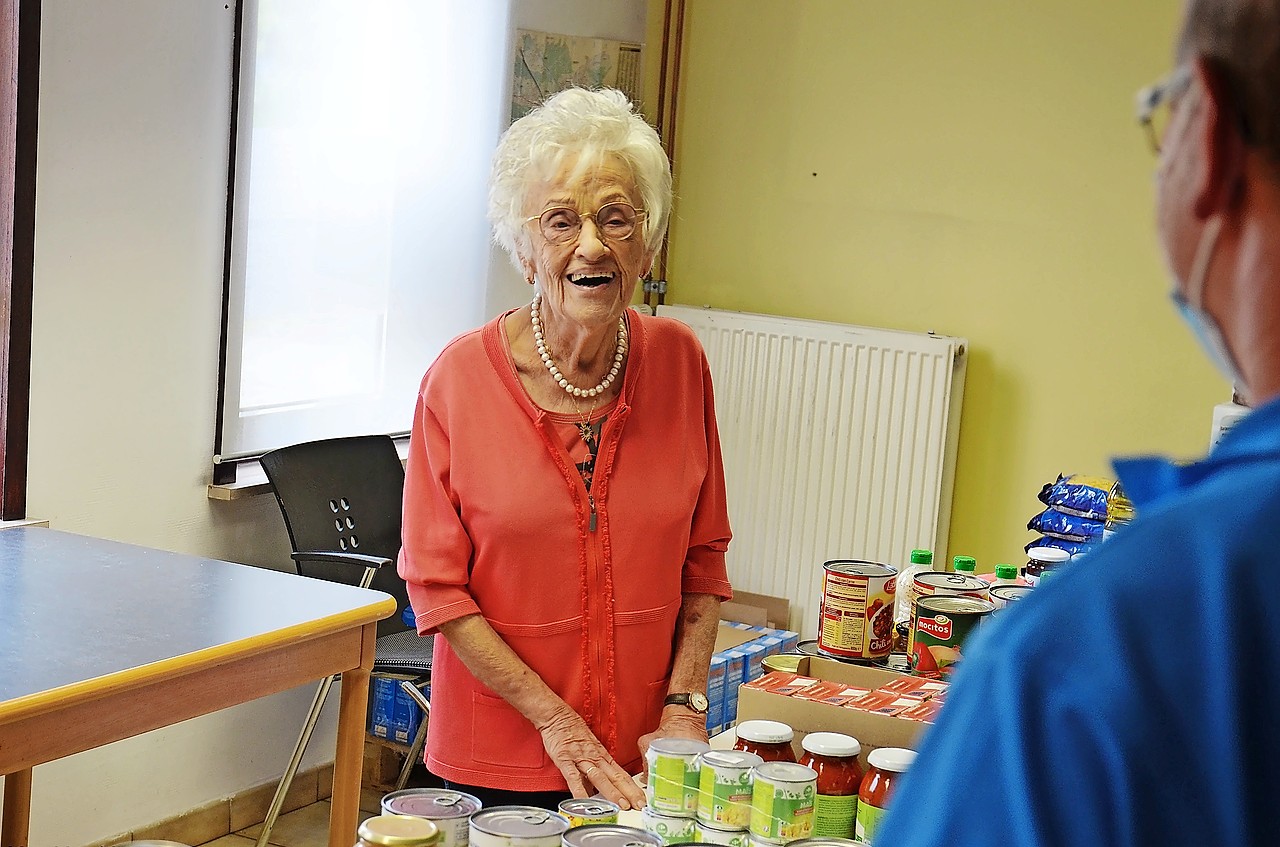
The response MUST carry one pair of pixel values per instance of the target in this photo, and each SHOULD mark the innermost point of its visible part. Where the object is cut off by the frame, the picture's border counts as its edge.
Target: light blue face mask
(1202, 324)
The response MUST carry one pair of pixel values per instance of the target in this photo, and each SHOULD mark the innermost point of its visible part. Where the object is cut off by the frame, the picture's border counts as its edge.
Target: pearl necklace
(570, 388)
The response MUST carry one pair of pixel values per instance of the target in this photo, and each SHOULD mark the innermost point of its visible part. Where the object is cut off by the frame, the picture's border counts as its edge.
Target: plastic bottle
(964, 564)
(921, 561)
(1006, 575)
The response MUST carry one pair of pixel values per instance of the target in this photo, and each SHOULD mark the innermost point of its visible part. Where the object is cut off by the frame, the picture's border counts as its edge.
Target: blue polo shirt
(1133, 699)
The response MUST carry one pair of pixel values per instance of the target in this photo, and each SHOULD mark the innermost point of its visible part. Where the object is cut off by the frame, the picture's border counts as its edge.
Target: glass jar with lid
(1041, 560)
(888, 764)
(770, 740)
(835, 759)
(397, 831)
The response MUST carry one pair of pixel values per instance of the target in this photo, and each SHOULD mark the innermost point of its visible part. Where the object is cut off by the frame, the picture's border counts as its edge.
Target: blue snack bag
(1074, 548)
(1079, 495)
(1066, 527)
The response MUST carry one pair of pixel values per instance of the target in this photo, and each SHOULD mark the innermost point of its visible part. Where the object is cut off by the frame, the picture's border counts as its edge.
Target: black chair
(341, 502)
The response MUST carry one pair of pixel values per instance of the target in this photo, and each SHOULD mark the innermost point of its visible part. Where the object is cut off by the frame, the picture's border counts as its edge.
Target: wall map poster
(546, 63)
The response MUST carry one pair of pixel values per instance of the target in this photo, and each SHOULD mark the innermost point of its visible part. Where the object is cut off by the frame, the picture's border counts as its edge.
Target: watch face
(698, 702)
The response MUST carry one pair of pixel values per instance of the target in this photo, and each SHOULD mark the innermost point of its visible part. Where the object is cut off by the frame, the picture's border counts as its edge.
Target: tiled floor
(305, 827)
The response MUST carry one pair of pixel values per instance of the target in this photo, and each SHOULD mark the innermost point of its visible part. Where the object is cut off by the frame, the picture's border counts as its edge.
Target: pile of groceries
(759, 795)
(1080, 513)
(695, 796)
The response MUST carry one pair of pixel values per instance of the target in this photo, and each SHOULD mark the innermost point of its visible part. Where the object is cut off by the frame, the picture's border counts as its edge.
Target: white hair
(588, 125)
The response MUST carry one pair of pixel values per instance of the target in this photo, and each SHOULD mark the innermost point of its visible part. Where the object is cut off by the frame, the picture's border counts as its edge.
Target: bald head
(1241, 38)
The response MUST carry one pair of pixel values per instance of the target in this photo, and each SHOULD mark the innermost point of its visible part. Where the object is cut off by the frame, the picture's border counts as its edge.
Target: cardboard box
(805, 716)
(757, 609)
(407, 716)
(716, 695)
(383, 691)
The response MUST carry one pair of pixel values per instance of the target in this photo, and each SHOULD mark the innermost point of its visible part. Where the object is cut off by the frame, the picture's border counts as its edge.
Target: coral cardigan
(586, 589)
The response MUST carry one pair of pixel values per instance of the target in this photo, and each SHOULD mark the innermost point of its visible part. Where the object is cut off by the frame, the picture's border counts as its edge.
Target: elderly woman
(564, 513)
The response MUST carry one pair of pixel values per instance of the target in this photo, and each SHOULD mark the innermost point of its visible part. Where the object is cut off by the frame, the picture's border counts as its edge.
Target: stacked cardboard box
(394, 715)
(738, 664)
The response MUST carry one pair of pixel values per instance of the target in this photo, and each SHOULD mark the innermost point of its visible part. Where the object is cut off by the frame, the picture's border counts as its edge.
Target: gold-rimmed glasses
(614, 222)
(1155, 105)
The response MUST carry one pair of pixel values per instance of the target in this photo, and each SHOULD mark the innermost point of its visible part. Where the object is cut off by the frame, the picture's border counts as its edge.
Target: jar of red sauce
(770, 740)
(835, 758)
(888, 764)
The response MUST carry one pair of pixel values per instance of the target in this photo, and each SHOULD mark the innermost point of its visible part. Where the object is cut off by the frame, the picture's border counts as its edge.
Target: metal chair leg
(419, 738)
(317, 703)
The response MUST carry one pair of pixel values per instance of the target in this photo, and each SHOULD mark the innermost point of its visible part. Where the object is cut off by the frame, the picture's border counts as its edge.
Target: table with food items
(808, 738)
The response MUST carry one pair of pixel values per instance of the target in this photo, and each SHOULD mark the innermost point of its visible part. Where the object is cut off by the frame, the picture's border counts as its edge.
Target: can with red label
(856, 620)
(937, 584)
(941, 626)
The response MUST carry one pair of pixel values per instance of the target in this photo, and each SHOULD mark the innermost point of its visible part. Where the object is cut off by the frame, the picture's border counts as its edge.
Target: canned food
(786, 662)
(669, 828)
(516, 826)
(826, 841)
(727, 837)
(449, 810)
(782, 802)
(580, 811)
(936, 584)
(1003, 595)
(609, 835)
(724, 788)
(856, 620)
(673, 775)
(808, 648)
(941, 626)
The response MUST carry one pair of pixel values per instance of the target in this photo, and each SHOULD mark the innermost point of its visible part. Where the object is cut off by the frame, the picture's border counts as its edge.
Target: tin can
(826, 841)
(673, 775)
(727, 837)
(516, 826)
(856, 621)
(669, 828)
(941, 626)
(450, 811)
(609, 835)
(724, 788)
(808, 648)
(782, 801)
(938, 584)
(583, 811)
(1003, 595)
(786, 662)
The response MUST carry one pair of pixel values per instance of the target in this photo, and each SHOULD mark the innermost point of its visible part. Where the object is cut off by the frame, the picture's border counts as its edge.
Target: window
(358, 243)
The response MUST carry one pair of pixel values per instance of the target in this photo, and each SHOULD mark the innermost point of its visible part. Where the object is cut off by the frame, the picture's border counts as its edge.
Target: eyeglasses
(1155, 104)
(614, 222)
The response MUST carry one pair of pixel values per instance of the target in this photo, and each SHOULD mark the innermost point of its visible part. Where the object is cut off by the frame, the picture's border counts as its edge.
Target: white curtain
(359, 242)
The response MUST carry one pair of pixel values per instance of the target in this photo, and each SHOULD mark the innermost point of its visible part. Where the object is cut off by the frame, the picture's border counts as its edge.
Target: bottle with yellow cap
(398, 831)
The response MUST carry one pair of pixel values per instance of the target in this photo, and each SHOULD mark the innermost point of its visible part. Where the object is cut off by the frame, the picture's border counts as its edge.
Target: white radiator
(839, 443)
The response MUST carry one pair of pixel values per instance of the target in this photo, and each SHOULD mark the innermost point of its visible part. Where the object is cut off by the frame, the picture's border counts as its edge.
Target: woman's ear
(1221, 147)
(529, 268)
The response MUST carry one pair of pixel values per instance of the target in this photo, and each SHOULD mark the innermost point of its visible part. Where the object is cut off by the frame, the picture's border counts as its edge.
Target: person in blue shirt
(1134, 699)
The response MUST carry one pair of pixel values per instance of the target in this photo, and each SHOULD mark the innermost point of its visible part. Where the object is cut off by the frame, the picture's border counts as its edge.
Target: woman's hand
(676, 722)
(587, 766)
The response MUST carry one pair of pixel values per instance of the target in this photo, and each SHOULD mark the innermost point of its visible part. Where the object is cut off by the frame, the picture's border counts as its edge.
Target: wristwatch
(695, 700)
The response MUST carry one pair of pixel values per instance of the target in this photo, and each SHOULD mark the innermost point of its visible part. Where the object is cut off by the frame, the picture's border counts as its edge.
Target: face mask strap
(1198, 277)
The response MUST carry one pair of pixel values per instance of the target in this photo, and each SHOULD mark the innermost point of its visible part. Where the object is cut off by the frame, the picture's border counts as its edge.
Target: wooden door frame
(19, 111)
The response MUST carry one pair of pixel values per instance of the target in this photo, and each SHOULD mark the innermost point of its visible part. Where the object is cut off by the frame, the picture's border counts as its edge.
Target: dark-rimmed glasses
(614, 222)
(1155, 105)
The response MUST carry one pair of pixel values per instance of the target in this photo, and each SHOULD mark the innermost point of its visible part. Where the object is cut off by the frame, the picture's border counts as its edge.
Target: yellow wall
(972, 168)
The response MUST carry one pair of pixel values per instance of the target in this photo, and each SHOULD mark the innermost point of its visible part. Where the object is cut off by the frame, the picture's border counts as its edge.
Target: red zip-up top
(586, 589)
